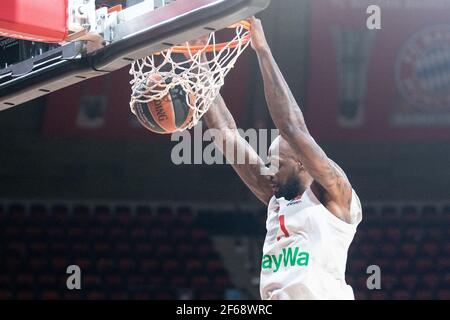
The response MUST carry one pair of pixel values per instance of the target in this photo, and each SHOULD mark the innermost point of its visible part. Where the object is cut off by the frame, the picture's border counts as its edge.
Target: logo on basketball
(423, 70)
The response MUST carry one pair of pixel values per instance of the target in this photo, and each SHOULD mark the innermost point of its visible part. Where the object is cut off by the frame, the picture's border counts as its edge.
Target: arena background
(82, 183)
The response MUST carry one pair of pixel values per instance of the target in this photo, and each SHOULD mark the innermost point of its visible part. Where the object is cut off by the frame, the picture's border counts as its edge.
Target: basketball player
(313, 212)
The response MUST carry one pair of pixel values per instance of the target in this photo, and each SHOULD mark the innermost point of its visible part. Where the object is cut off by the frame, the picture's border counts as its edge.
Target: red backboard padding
(36, 20)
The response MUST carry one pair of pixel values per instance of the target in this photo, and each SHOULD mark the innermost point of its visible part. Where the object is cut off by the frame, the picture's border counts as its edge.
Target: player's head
(288, 177)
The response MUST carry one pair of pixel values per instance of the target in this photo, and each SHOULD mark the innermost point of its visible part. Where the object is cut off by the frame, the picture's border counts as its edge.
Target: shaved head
(290, 178)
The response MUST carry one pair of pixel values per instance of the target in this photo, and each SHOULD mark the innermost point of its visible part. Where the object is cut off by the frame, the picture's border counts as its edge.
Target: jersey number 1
(283, 226)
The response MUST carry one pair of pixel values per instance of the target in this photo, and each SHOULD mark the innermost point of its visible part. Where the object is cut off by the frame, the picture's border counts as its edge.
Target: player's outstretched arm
(289, 120)
(234, 147)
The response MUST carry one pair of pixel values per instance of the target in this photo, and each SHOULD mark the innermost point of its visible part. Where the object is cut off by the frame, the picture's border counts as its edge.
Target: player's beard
(290, 189)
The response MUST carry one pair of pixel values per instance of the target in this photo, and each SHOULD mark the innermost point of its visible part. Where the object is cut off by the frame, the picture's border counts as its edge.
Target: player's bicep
(318, 165)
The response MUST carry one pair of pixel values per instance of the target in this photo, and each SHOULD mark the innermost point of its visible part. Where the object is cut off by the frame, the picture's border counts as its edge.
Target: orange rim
(217, 46)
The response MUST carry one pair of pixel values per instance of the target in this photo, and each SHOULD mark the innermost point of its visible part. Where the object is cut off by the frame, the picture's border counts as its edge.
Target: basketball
(167, 115)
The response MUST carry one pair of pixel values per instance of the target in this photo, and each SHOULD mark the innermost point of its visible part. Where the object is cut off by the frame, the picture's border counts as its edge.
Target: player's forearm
(283, 108)
(219, 117)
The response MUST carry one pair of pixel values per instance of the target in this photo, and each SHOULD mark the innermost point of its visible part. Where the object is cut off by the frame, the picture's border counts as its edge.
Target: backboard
(126, 35)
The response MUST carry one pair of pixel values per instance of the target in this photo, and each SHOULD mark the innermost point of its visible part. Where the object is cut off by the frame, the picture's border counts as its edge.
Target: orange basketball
(167, 115)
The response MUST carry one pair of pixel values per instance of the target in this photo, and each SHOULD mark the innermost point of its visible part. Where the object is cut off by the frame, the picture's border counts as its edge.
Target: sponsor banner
(379, 85)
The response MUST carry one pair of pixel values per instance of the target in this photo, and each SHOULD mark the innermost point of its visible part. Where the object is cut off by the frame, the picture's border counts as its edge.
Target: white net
(201, 75)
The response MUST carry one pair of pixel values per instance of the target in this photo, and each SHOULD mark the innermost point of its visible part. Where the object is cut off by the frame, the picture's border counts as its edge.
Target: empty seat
(443, 294)
(434, 234)
(38, 264)
(390, 214)
(16, 248)
(73, 295)
(165, 215)
(367, 250)
(393, 235)
(164, 295)
(55, 233)
(171, 265)
(209, 295)
(143, 296)
(221, 282)
(84, 263)
(424, 295)
(60, 215)
(102, 215)
(118, 233)
(126, 265)
(199, 234)
(423, 265)
(81, 248)
(389, 282)
(6, 280)
(17, 214)
(443, 264)
(185, 215)
(123, 249)
(164, 249)
(149, 265)
(409, 281)
(430, 281)
(205, 250)
(26, 295)
(138, 233)
(96, 295)
(114, 281)
(402, 265)
(144, 215)
(178, 281)
(214, 265)
(38, 248)
(81, 215)
(377, 295)
(77, 233)
(58, 248)
(401, 295)
(5, 295)
(90, 282)
(12, 232)
(46, 281)
(156, 280)
(200, 281)
(123, 215)
(60, 263)
(144, 249)
(408, 249)
(184, 250)
(97, 232)
(118, 296)
(50, 295)
(102, 248)
(136, 281)
(410, 215)
(105, 264)
(388, 249)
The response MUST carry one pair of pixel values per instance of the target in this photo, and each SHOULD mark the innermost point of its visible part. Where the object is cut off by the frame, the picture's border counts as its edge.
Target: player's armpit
(238, 152)
(246, 162)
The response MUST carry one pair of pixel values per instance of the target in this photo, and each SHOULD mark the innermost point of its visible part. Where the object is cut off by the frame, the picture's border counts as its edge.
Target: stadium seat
(26, 295)
(424, 295)
(401, 295)
(50, 295)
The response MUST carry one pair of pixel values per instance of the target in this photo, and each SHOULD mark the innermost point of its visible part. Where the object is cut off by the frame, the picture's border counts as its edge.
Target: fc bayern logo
(423, 70)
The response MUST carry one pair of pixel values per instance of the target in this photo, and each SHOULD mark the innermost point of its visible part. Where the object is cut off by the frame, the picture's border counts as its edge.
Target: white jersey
(305, 250)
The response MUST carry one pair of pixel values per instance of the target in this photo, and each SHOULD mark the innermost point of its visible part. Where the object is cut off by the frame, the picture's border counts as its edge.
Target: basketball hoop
(199, 69)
